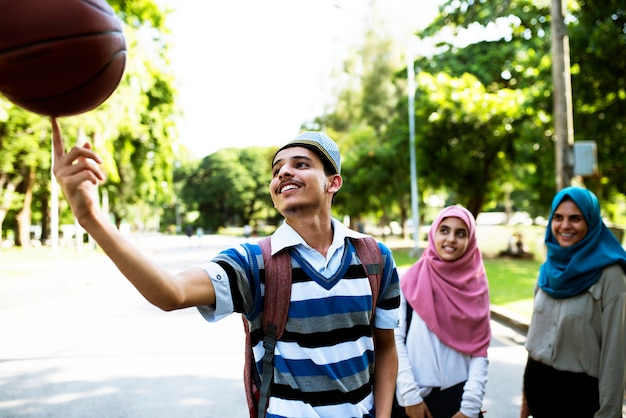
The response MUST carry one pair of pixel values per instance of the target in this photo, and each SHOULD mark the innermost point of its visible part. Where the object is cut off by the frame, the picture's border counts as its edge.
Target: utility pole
(414, 196)
(54, 207)
(562, 97)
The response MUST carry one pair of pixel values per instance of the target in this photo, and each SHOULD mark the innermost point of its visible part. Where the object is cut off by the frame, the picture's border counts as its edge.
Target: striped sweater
(323, 364)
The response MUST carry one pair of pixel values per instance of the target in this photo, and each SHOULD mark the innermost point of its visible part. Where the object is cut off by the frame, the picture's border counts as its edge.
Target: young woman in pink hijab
(442, 341)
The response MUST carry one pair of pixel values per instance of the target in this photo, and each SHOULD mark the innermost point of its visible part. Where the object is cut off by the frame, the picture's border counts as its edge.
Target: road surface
(77, 340)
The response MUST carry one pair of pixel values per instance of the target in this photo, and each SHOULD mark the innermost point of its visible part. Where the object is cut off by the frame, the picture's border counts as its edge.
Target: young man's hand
(78, 173)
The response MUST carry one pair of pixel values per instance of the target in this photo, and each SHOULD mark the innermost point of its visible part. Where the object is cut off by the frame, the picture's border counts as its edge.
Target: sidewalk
(77, 340)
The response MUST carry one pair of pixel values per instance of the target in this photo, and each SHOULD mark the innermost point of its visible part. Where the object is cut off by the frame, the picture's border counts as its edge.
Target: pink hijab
(452, 297)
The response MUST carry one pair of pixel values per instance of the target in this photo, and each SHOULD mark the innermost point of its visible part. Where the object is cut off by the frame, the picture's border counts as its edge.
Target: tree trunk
(45, 220)
(7, 188)
(23, 218)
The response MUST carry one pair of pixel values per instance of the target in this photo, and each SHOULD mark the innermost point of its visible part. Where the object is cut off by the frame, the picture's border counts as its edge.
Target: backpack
(276, 307)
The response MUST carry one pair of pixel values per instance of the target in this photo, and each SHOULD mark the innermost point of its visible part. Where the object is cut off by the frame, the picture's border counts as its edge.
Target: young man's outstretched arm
(78, 173)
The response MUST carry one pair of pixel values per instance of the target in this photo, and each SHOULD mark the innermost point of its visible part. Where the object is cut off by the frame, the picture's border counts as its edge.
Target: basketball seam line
(61, 38)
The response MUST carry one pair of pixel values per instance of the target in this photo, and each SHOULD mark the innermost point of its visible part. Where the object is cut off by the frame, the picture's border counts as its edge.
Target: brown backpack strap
(369, 253)
(250, 376)
(275, 309)
(277, 287)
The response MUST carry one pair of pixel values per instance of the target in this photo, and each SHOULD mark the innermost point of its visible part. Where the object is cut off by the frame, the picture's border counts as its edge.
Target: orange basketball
(60, 57)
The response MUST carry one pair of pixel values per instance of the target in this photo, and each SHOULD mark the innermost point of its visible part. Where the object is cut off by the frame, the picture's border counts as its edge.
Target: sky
(250, 72)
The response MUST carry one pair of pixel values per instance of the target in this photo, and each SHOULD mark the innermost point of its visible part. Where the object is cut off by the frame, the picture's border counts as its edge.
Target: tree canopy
(134, 130)
(484, 134)
(483, 106)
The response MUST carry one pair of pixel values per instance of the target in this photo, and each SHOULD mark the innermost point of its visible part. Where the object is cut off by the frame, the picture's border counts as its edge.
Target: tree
(515, 59)
(464, 135)
(520, 59)
(376, 176)
(597, 44)
(136, 119)
(140, 155)
(375, 158)
(257, 201)
(135, 128)
(477, 105)
(229, 187)
(22, 154)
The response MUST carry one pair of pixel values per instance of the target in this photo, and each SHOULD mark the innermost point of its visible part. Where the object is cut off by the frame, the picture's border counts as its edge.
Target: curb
(511, 319)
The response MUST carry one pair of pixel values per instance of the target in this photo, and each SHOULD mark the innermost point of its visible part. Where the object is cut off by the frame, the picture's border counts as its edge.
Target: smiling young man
(333, 360)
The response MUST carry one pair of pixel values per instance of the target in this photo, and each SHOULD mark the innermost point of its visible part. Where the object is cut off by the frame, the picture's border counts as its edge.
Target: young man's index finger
(57, 139)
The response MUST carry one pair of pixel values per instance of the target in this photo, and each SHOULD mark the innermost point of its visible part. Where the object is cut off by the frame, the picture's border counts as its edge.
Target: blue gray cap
(321, 144)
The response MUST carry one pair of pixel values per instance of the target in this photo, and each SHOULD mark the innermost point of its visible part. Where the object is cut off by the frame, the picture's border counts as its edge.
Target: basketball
(60, 57)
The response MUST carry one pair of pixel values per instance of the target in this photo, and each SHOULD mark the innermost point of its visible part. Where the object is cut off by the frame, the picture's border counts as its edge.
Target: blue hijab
(569, 271)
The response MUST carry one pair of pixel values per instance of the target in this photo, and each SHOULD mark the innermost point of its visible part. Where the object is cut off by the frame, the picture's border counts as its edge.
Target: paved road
(76, 340)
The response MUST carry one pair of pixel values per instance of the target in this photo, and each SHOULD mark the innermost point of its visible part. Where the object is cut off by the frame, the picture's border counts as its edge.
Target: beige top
(586, 333)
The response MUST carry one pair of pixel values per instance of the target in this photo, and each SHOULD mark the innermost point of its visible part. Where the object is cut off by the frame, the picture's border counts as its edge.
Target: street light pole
(54, 207)
(411, 95)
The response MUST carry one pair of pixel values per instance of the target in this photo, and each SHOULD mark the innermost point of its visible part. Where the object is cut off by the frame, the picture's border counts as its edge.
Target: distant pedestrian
(577, 337)
(445, 327)
(199, 234)
(189, 232)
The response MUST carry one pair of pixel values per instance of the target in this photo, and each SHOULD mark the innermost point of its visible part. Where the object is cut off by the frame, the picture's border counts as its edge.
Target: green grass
(403, 258)
(511, 281)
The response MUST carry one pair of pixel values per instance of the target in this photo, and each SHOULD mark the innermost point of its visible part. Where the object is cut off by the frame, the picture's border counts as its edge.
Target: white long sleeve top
(424, 362)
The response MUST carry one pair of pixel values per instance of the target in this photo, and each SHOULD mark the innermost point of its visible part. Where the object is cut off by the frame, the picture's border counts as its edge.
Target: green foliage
(465, 135)
(484, 135)
(140, 152)
(229, 187)
(513, 150)
(521, 60)
(598, 45)
(257, 200)
(137, 13)
(375, 175)
(133, 130)
(23, 153)
(363, 124)
(484, 109)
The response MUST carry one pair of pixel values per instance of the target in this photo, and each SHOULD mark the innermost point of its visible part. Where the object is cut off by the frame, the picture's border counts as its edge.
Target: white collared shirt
(285, 236)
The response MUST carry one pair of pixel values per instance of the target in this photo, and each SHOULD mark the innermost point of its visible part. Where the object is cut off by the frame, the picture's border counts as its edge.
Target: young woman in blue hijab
(577, 337)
